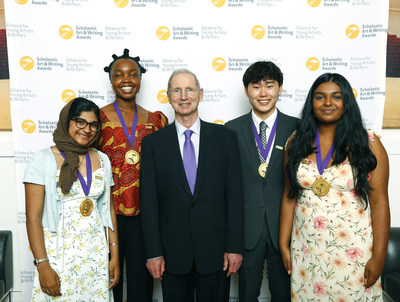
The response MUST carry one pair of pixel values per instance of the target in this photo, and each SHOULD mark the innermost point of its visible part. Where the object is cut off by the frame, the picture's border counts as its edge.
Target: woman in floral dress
(70, 221)
(335, 214)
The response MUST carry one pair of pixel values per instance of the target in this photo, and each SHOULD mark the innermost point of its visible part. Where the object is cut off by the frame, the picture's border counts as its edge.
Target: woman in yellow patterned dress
(335, 214)
(70, 221)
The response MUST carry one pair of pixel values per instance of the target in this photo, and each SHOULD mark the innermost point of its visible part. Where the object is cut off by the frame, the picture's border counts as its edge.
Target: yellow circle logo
(28, 126)
(221, 122)
(22, 2)
(163, 33)
(26, 63)
(162, 96)
(314, 3)
(121, 3)
(258, 32)
(219, 64)
(218, 3)
(312, 64)
(355, 93)
(66, 32)
(67, 95)
(352, 31)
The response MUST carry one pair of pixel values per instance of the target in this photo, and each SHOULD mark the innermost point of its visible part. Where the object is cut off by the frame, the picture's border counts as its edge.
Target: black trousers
(131, 252)
(251, 271)
(183, 288)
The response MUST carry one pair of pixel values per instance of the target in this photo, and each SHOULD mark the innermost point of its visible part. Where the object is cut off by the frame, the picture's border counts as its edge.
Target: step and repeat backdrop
(57, 50)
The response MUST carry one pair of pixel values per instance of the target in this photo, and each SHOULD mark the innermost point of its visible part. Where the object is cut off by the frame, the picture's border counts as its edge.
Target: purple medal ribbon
(265, 151)
(131, 138)
(85, 186)
(322, 164)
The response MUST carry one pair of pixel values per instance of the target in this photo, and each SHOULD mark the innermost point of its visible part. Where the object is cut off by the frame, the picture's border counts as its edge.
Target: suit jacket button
(261, 205)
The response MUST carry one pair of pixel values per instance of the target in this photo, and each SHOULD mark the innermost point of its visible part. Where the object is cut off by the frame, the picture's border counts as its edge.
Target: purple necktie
(189, 160)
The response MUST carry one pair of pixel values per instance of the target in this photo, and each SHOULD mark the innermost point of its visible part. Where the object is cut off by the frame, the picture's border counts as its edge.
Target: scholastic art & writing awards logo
(218, 3)
(258, 32)
(314, 3)
(352, 31)
(28, 126)
(163, 33)
(26, 63)
(219, 64)
(66, 32)
(355, 93)
(162, 96)
(312, 64)
(67, 95)
(121, 3)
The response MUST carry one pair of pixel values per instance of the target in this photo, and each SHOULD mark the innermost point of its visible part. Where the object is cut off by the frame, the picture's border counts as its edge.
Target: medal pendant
(86, 207)
(321, 187)
(132, 157)
(262, 169)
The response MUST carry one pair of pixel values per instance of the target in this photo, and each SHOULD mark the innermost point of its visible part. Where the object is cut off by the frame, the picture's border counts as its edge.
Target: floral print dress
(331, 239)
(78, 252)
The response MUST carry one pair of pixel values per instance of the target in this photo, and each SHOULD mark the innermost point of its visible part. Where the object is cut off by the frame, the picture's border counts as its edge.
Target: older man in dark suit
(191, 199)
(262, 134)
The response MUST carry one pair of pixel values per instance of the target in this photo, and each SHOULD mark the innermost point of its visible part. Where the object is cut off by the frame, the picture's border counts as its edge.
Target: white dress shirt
(180, 130)
(270, 123)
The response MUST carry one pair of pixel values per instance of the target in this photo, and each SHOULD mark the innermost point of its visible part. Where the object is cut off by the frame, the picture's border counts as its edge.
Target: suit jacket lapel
(248, 136)
(172, 148)
(279, 141)
(205, 152)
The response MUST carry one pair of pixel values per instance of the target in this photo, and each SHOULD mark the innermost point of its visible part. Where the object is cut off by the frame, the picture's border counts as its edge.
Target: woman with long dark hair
(335, 213)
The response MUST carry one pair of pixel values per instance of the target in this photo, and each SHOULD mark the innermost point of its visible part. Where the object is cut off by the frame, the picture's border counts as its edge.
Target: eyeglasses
(82, 123)
(188, 91)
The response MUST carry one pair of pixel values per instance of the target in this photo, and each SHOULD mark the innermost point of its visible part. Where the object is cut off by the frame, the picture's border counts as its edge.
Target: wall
(9, 215)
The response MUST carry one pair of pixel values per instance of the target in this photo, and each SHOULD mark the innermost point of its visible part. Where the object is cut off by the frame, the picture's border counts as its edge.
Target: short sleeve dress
(114, 143)
(78, 251)
(331, 239)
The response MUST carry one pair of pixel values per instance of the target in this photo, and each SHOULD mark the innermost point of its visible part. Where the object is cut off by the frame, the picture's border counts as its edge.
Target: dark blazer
(262, 196)
(186, 228)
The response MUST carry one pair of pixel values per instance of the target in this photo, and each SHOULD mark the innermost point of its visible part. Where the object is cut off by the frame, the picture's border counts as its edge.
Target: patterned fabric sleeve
(114, 143)
(371, 136)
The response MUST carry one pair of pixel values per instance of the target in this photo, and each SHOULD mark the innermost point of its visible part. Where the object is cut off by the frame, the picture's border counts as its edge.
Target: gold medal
(262, 169)
(132, 157)
(86, 207)
(321, 187)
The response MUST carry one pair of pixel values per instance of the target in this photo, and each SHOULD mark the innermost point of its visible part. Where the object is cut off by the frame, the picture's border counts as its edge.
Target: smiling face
(184, 96)
(85, 135)
(263, 97)
(328, 103)
(125, 79)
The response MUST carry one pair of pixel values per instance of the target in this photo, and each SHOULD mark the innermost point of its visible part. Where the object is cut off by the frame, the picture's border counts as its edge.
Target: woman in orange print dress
(335, 218)
(124, 124)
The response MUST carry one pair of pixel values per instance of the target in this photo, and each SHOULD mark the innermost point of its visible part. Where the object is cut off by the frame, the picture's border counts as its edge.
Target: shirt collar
(269, 121)
(195, 127)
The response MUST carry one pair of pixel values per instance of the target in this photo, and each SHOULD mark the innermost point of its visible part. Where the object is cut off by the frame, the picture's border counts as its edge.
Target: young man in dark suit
(262, 134)
(191, 199)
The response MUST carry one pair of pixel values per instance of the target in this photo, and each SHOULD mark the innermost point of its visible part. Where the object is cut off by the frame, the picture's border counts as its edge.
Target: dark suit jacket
(186, 228)
(262, 196)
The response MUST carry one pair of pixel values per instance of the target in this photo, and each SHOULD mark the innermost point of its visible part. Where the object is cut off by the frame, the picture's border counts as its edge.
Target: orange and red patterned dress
(115, 144)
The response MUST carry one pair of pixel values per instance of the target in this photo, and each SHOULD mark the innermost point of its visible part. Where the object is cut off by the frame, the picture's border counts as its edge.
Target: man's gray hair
(179, 71)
